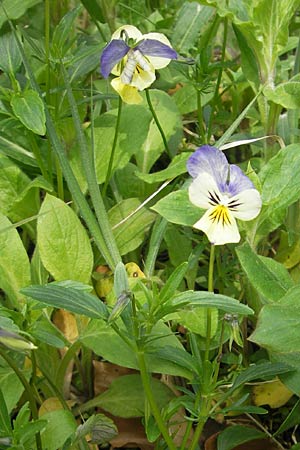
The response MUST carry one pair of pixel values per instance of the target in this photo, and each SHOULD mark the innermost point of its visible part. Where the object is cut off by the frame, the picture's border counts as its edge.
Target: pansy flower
(224, 191)
(133, 57)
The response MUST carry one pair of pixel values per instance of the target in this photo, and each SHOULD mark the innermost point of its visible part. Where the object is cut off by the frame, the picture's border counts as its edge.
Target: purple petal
(211, 160)
(238, 181)
(112, 54)
(152, 47)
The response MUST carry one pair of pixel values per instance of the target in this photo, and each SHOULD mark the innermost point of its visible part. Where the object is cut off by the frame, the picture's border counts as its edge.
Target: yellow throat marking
(220, 214)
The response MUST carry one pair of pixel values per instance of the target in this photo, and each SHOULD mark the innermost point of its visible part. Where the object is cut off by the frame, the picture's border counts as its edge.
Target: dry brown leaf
(105, 373)
(66, 323)
(131, 434)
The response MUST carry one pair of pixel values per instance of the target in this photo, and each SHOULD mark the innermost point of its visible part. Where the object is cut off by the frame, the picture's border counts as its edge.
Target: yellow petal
(129, 94)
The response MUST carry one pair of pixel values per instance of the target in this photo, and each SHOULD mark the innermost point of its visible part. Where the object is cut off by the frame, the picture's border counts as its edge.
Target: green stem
(91, 177)
(153, 405)
(37, 153)
(59, 180)
(28, 392)
(134, 318)
(199, 428)
(156, 120)
(47, 75)
(69, 355)
(146, 380)
(216, 94)
(219, 355)
(200, 118)
(210, 289)
(113, 150)
(203, 401)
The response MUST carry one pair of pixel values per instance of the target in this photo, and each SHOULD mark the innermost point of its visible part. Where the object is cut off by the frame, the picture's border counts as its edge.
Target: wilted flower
(133, 57)
(14, 341)
(224, 191)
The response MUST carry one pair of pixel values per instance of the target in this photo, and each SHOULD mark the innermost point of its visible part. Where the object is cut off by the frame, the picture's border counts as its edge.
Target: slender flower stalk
(156, 120)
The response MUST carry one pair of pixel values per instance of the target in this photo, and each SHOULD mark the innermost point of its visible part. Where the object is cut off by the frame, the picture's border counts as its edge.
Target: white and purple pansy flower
(224, 191)
(133, 58)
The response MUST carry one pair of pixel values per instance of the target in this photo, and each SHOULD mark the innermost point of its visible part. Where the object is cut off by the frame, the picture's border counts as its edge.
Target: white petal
(248, 204)
(142, 79)
(218, 233)
(201, 189)
(131, 31)
(157, 61)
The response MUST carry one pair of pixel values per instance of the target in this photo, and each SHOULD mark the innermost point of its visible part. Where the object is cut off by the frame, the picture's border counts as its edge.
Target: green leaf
(195, 320)
(16, 152)
(62, 32)
(125, 396)
(11, 387)
(190, 21)
(60, 426)
(236, 435)
(267, 31)
(173, 282)
(248, 60)
(26, 434)
(280, 186)
(285, 94)
(176, 168)
(45, 331)
(5, 425)
(133, 130)
(235, 9)
(100, 428)
(94, 10)
(13, 184)
(85, 60)
(120, 279)
(259, 371)
(13, 9)
(11, 58)
(179, 244)
(64, 246)
(277, 327)
(290, 379)
(180, 356)
(177, 208)
(171, 123)
(130, 234)
(268, 276)
(76, 301)
(291, 420)
(105, 342)
(209, 299)
(14, 262)
(186, 99)
(129, 172)
(29, 109)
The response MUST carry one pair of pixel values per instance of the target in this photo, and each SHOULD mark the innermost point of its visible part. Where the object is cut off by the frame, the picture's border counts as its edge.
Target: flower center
(220, 214)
